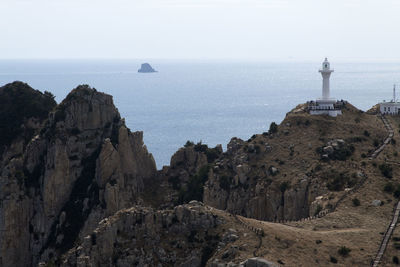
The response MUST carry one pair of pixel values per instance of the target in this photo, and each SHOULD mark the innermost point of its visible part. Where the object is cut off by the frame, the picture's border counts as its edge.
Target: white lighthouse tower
(325, 104)
(326, 74)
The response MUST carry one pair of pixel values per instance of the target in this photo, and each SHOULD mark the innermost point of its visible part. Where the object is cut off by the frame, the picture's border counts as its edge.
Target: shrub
(284, 186)
(376, 143)
(366, 133)
(318, 210)
(199, 147)
(318, 168)
(386, 170)
(195, 187)
(273, 127)
(18, 101)
(393, 141)
(396, 193)
(388, 188)
(356, 202)
(189, 143)
(363, 164)
(337, 180)
(344, 251)
(341, 153)
(212, 154)
(333, 259)
(395, 260)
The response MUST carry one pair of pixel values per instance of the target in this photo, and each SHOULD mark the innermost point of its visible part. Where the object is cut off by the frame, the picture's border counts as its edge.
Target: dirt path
(387, 140)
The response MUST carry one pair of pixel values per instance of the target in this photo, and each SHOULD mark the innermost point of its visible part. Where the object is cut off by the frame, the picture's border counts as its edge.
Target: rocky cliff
(82, 165)
(184, 236)
(281, 174)
(78, 188)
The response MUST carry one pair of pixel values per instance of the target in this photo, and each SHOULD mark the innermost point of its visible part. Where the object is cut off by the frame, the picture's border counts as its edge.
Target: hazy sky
(201, 29)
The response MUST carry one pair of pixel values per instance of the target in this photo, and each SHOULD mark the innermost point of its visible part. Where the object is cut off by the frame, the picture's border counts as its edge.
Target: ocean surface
(208, 101)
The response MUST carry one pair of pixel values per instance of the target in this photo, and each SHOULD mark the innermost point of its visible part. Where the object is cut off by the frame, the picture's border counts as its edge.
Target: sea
(205, 101)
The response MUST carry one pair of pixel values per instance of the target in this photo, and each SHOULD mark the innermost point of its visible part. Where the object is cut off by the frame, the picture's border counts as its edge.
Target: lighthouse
(325, 105)
(326, 74)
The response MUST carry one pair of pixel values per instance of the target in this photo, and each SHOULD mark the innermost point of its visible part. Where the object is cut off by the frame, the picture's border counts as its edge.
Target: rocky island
(78, 188)
(146, 68)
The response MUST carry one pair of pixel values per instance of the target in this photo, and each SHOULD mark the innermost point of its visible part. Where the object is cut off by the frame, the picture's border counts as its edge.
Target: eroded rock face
(143, 237)
(234, 186)
(83, 166)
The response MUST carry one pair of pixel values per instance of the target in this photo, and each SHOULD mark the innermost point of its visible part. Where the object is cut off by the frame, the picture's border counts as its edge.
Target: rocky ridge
(84, 165)
(79, 191)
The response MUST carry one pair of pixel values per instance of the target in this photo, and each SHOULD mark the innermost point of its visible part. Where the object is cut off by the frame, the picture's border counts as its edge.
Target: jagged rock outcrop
(83, 166)
(184, 236)
(234, 186)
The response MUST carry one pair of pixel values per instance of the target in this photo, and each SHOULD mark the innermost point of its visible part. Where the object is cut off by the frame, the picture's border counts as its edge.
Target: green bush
(333, 259)
(284, 186)
(318, 210)
(199, 147)
(189, 143)
(396, 193)
(386, 170)
(273, 127)
(337, 181)
(388, 188)
(366, 133)
(356, 202)
(376, 143)
(195, 187)
(18, 102)
(395, 260)
(344, 251)
(212, 154)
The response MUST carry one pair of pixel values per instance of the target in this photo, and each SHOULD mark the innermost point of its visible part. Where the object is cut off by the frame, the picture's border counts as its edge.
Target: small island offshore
(146, 68)
(78, 188)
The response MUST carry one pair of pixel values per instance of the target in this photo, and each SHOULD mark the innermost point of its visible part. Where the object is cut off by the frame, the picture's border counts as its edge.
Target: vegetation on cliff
(18, 103)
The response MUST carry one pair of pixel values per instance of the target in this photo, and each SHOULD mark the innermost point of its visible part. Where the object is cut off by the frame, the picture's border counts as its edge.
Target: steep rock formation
(59, 184)
(184, 236)
(233, 185)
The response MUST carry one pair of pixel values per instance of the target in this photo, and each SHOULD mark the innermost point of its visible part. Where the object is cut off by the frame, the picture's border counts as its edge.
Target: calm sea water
(207, 101)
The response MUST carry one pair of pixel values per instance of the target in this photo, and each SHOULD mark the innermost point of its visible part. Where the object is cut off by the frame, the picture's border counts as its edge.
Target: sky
(200, 29)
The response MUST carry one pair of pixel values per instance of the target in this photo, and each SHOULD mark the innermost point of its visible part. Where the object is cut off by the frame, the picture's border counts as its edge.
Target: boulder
(376, 202)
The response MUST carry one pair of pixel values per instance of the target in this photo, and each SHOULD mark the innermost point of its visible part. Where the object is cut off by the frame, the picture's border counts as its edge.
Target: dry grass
(313, 242)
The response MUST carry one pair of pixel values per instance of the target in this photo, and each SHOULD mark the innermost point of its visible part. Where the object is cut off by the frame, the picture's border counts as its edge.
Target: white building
(392, 107)
(325, 105)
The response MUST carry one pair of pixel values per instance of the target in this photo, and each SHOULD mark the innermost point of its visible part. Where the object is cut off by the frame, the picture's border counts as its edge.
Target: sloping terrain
(83, 190)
